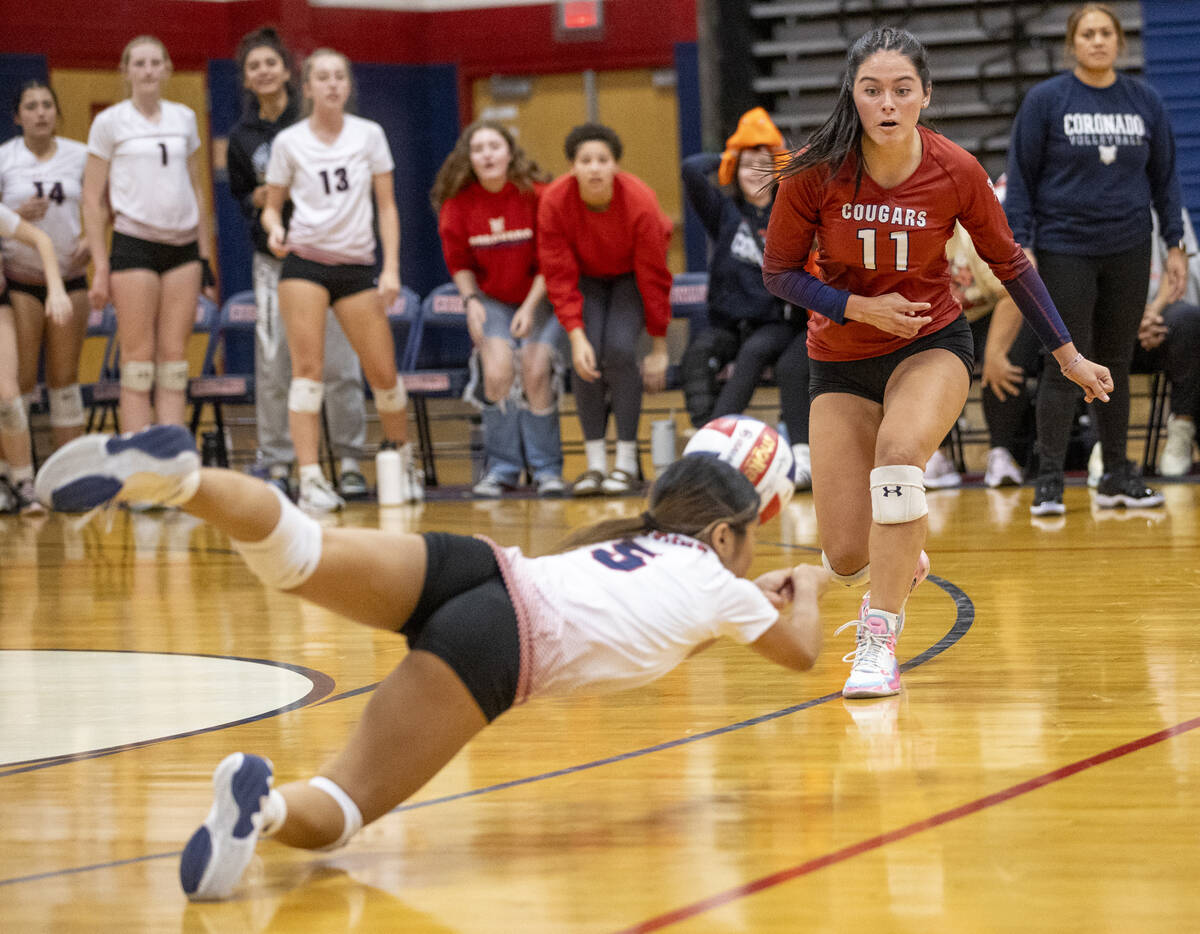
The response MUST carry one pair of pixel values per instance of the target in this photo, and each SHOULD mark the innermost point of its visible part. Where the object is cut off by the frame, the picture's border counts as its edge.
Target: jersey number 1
(867, 236)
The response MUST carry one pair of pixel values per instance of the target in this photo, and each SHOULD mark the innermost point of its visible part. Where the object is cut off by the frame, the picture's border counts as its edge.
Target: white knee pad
(305, 395)
(137, 375)
(391, 400)
(13, 420)
(66, 407)
(351, 815)
(897, 494)
(172, 375)
(287, 557)
(861, 577)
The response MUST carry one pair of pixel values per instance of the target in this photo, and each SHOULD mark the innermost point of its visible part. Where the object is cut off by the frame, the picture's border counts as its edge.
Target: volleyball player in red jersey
(891, 354)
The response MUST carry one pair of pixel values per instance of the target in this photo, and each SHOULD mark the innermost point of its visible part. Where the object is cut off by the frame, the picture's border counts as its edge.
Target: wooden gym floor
(1040, 771)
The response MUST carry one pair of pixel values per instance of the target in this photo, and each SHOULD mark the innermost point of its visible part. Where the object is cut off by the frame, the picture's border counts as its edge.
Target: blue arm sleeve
(705, 198)
(805, 290)
(1030, 294)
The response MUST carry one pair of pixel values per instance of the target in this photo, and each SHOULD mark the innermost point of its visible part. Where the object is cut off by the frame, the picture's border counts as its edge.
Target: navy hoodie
(249, 151)
(737, 230)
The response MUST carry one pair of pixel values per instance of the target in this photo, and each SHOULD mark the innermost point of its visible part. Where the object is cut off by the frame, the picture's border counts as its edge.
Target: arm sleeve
(1024, 168)
(193, 134)
(455, 249)
(1164, 177)
(705, 198)
(651, 237)
(559, 265)
(279, 167)
(790, 233)
(379, 156)
(242, 178)
(100, 137)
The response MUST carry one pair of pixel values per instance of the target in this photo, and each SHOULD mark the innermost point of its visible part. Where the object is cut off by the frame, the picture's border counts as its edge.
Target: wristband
(471, 295)
(1078, 359)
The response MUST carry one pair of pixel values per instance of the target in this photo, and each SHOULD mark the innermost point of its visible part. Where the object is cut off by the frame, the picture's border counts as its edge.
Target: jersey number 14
(899, 237)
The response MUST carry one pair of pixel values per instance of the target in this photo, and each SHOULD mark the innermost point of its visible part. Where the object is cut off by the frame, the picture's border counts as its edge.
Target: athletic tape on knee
(391, 400)
(287, 557)
(351, 815)
(13, 420)
(137, 375)
(172, 375)
(66, 406)
(305, 395)
(897, 494)
(860, 577)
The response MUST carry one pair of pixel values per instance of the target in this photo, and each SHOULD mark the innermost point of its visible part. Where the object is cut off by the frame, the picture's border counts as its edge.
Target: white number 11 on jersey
(867, 236)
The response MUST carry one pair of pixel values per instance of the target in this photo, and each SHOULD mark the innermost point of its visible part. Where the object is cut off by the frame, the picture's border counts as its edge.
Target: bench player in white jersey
(143, 151)
(487, 628)
(16, 480)
(330, 164)
(41, 178)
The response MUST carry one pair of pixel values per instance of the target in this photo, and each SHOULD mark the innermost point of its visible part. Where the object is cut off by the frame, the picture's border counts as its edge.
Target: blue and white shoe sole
(91, 470)
(221, 848)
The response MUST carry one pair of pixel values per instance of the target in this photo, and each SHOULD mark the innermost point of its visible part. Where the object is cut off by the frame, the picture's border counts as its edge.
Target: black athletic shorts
(466, 618)
(39, 291)
(869, 377)
(339, 281)
(135, 253)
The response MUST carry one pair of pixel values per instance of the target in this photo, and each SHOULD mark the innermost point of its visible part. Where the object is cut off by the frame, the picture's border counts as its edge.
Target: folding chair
(102, 396)
(216, 388)
(436, 362)
(689, 302)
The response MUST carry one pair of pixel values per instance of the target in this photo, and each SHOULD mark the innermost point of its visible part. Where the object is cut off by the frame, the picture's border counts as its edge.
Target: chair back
(403, 315)
(442, 341)
(689, 300)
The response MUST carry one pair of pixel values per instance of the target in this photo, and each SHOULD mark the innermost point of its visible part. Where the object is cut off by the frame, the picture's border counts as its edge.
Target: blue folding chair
(689, 302)
(216, 388)
(436, 364)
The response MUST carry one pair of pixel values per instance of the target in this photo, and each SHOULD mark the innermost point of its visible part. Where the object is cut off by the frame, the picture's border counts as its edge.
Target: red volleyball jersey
(882, 240)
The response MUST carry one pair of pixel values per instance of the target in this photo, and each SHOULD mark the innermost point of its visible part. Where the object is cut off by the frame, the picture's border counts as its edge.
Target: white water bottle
(389, 475)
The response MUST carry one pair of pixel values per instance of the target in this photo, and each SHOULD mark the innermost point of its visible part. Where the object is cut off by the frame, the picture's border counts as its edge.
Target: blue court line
(964, 618)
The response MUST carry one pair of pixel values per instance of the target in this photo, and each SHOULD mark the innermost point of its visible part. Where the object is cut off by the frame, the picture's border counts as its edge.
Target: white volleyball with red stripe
(757, 450)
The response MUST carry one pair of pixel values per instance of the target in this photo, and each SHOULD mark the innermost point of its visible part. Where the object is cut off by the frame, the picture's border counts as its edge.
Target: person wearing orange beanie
(748, 325)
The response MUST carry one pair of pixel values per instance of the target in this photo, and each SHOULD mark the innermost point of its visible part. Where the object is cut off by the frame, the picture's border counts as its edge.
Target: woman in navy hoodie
(1092, 152)
(748, 325)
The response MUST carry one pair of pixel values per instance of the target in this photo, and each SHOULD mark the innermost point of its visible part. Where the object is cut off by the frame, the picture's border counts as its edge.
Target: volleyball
(756, 449)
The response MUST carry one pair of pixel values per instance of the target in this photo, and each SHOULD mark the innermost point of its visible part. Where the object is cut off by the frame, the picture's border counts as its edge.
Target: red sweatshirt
(630, 235)
(492, 235)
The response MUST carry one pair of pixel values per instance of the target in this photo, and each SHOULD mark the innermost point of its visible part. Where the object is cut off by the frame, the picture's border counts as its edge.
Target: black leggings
(1101, 300)
(613, 320)
(752, 349)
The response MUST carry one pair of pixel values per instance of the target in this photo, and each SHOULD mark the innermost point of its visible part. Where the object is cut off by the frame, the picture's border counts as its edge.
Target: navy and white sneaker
(158, 465)
(221, 848)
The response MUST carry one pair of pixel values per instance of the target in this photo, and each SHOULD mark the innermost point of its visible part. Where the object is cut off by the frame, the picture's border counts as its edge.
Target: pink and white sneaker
(877, 676)
(874, 671)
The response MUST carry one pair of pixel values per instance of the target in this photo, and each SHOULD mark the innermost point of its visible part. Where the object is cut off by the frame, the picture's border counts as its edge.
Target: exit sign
(576, 20)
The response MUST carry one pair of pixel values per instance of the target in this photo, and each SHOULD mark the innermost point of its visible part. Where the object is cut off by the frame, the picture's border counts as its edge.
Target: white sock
(597, 457)
(22, 473)
(274, 813)
(627, 459)
(893, 619)
(350, 464)
(310, 473)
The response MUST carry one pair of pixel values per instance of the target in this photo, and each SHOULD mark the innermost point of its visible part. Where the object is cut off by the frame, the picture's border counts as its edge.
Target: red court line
(874, 843)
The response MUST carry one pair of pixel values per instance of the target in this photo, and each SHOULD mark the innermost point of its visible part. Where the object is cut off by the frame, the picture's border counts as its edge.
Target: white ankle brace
(351, 815)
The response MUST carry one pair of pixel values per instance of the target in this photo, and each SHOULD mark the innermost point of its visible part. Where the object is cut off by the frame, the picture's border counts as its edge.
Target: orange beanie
(753, 130)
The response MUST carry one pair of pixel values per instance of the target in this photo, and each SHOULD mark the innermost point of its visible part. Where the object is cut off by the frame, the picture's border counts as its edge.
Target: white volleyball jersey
(331, 188)
(149, 187)
(59, 180)
(620, 614)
